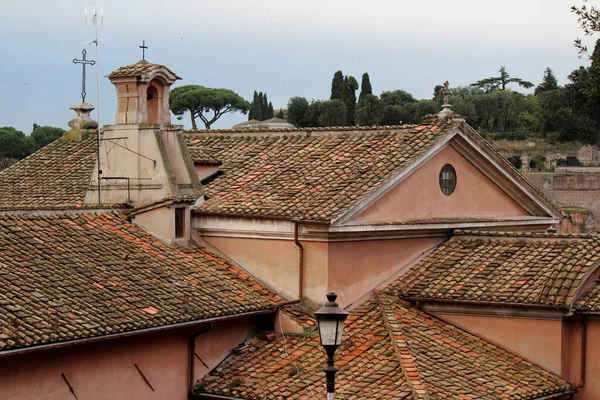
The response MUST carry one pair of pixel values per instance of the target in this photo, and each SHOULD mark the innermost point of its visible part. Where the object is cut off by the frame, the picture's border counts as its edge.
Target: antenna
(95, 21)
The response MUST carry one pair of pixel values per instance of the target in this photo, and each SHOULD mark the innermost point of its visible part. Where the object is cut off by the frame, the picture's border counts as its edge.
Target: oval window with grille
(447, 179)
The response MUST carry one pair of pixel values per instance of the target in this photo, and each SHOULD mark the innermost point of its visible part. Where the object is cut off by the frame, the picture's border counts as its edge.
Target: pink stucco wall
(275, 262)
(419, 197)
(539, 340)
(591, 389)
(106, 370)
(356, 268)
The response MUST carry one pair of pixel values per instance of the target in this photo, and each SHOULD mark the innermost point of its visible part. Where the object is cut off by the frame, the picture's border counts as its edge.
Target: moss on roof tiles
(67, 277)
(57, 176)
(309, 174)
(390, 350)
(523, 268)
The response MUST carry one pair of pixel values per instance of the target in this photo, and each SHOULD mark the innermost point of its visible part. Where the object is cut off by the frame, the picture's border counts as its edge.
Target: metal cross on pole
(143, 47)
(84, 61)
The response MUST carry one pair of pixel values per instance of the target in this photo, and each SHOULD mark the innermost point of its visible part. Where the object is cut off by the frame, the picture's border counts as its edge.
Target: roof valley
(401, 347)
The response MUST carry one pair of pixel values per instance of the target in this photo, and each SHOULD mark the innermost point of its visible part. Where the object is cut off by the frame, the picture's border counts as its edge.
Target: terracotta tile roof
(443, 361)
(56, 176)
(314, 174)
(202, 157)
(390, 350)
(66, 277)
(369, 369)
(140, 68)
(590, 302)
(525, 268)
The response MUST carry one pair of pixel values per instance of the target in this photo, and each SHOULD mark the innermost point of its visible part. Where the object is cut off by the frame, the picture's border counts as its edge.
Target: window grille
(448, 179)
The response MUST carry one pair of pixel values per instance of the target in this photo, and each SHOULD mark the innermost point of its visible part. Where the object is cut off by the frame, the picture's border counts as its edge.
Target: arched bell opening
(152, 104)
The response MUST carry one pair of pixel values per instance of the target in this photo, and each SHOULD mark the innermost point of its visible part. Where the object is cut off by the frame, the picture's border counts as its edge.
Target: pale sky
(285, 47)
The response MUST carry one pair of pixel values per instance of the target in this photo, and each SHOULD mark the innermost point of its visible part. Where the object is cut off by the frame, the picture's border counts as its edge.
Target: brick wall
(572, 190)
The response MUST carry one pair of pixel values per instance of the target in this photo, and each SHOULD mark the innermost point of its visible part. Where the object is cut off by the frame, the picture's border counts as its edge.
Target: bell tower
(143, 158)
(143, 93)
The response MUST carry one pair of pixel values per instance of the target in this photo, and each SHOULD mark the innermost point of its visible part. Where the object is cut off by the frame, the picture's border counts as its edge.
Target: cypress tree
(264, 107)
(365, 86)
(252, 105)
(337, 86)
(350, 87)
(280, 114)
(271, 112)
(256, 112)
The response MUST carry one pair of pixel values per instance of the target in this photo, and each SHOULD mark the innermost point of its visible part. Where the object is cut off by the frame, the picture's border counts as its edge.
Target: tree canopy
(206, 104)
(337, 86)
(500, 82)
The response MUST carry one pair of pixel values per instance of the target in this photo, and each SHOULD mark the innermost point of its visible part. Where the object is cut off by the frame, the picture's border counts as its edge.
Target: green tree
(43, 135)
(314, 113)
(368, 111)
(207, 104)
(270, 111)
(281, 114)
(365, 86)
(264, 106)
(337, 86)
(256, 110)
(350, 87)
(500, 82)
(588, 18)
(332, 113)
(549, 82)
(298, 112)
(398, 107)
(425, 107)
(13, 143)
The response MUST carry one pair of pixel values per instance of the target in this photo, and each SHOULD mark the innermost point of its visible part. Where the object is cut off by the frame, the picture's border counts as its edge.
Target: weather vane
(143, 47)
(84, 61)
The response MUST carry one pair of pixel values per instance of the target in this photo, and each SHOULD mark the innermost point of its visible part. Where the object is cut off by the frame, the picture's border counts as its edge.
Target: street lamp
(331, 319)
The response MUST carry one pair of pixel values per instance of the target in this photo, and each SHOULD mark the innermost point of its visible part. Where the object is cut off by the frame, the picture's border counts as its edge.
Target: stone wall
(586, 155)
(572, 190)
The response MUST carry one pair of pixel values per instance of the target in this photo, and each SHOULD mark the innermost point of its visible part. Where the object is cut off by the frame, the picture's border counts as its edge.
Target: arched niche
(152, 99)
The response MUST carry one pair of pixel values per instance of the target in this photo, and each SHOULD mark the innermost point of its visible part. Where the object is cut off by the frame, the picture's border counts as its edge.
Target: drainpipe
(583, 351)
(192, 347)
(300, 269)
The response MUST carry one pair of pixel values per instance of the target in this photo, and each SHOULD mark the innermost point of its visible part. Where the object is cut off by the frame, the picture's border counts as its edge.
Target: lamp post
(331, 319)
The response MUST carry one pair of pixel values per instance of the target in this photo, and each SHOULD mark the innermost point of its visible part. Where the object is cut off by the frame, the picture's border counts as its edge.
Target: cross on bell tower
(446, 111)
(143, 47)
(84, 61)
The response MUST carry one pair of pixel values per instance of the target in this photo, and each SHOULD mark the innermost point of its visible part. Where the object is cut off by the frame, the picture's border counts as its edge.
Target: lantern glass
(331, 332)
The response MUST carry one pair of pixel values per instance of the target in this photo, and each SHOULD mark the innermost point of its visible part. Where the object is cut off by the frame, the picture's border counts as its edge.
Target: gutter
(300, 269)
(422, 300)
(568, 394)
(161, 328)
(583, 354)
(203, 396)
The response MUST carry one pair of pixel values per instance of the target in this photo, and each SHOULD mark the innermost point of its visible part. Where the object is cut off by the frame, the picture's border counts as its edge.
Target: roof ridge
(474, 134)
(318, 129)
(401, 346)
(466, 232)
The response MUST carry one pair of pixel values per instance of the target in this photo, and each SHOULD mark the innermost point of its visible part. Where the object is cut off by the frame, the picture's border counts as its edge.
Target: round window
(447, 179)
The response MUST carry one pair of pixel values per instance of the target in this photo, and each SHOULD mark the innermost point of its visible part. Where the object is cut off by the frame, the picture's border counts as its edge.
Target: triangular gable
(488, 187)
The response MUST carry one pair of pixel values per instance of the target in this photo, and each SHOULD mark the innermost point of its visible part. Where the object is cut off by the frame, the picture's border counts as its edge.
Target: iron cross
(83, 63)
(143, 47)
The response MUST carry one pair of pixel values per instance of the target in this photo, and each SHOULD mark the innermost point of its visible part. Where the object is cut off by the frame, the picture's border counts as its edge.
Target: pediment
(487, 188)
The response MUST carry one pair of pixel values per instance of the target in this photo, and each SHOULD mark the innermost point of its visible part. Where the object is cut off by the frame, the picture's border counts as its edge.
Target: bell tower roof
(144, 69)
